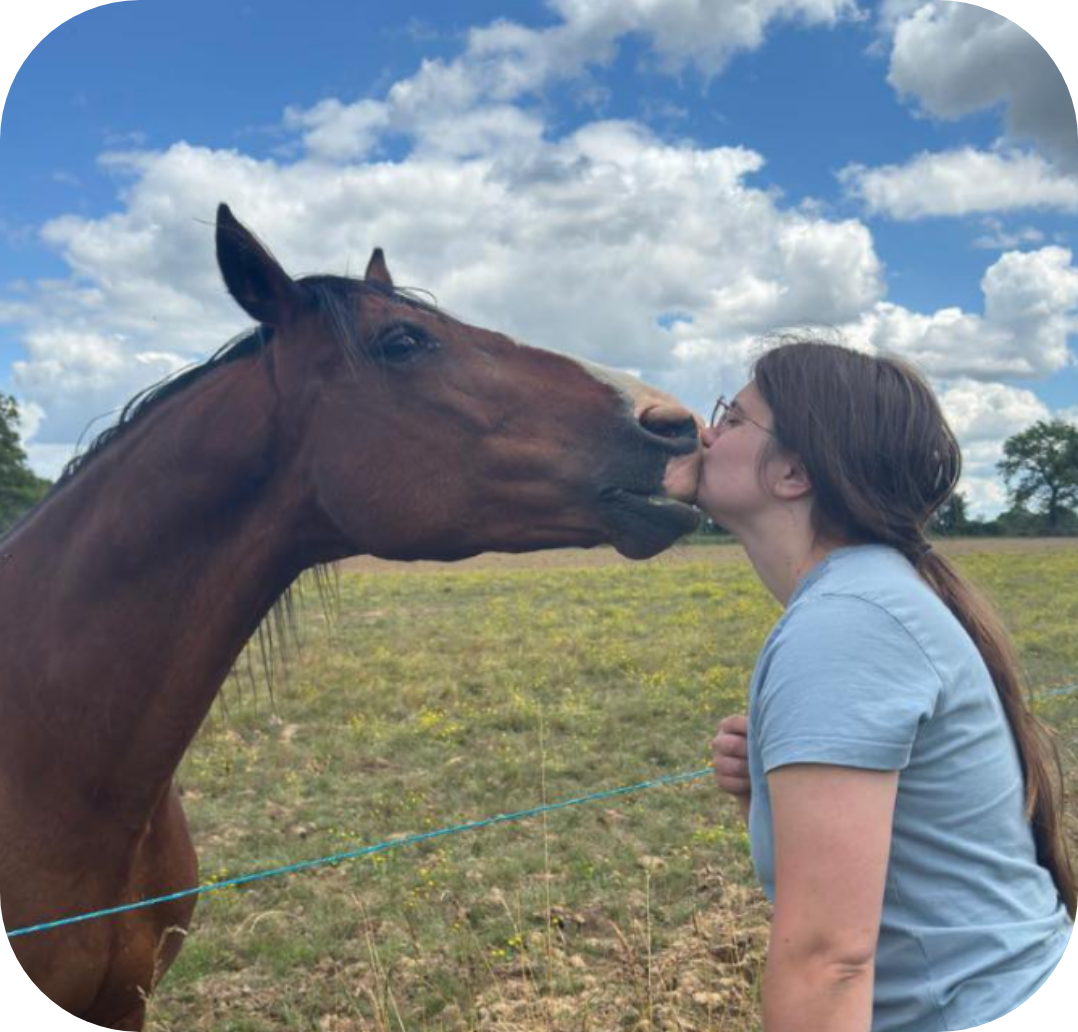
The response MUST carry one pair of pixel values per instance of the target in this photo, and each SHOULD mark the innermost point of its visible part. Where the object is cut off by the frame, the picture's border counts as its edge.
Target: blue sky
(649, 183)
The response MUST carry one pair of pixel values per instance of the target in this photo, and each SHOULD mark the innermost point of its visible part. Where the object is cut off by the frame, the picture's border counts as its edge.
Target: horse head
(411, 434)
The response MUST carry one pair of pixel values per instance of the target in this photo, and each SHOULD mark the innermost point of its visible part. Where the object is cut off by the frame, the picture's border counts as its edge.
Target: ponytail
(1038, 751)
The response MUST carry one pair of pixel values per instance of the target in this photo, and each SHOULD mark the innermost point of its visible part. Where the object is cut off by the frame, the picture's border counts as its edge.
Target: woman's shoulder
(841, 680)
(846, 626)
(871, 572)
(874, 584)
(867, 604)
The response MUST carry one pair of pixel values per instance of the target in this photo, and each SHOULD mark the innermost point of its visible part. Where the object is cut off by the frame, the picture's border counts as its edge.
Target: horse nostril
(675, 424)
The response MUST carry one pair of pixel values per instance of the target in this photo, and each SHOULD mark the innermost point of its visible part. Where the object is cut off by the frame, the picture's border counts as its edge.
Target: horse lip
(655, 498)
(649, 520)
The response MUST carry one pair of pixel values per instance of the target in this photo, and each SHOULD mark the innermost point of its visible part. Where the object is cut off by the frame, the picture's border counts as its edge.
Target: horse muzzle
(645, 524)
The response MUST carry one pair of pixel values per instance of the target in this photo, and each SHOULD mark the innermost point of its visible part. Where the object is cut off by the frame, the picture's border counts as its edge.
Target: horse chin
(647, 524)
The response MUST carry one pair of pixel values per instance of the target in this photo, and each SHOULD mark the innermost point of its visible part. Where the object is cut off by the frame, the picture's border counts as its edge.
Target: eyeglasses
(728, 414)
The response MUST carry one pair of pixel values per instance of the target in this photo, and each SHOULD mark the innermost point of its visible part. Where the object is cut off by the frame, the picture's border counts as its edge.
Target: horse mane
(334, 298)
(331, 295)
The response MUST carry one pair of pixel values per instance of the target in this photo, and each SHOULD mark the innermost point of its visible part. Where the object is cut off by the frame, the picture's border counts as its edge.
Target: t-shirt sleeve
(844, 683)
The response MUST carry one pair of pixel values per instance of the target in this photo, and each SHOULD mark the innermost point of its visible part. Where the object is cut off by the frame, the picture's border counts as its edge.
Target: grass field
(436, 695)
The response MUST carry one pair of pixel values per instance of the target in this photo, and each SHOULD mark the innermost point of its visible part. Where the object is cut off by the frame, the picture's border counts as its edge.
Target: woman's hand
(730, 753)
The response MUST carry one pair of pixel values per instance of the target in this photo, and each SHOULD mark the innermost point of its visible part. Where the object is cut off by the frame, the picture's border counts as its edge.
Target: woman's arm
(832, 830)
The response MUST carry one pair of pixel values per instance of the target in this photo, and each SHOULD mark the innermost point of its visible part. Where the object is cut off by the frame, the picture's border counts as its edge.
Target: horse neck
(134, 589)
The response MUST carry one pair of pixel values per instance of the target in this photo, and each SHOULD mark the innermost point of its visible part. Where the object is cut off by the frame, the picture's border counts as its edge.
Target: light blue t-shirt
(868, 668)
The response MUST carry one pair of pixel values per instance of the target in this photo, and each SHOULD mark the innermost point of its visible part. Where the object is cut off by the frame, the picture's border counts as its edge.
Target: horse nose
(669, 420)
(658, 414)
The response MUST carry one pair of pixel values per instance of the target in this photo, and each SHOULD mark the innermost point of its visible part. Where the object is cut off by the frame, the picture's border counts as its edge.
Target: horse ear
(377, 270)
(253, 277)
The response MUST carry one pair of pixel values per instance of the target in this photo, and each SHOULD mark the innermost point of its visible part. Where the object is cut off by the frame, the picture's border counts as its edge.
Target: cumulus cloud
(474, 103)
(586, 246)
(700, 34)
(954, 59)
(951, 60)
(606, 242)
(983, 416)
(339, 132)
(961, 182)
(72, 376)
(1030, 309)
(985, 413)
(998, 238)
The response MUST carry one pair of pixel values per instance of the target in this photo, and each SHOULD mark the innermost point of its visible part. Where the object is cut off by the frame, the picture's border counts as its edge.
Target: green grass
(432, 699)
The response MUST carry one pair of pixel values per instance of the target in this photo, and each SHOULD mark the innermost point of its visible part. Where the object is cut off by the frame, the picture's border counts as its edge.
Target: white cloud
(339, 132)
(983, 416)
(608, 242)
(954, 59)
(961, 182)
(998, 238)
(986, 413)
(1030, 309)
(71, 377)
(687, 32)
(1031, 304)
(472, 105)
(48, 460)
(582, 246)
(30, 416)
(893, 12)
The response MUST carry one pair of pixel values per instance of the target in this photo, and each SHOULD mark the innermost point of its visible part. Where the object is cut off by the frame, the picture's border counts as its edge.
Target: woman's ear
(793, 481)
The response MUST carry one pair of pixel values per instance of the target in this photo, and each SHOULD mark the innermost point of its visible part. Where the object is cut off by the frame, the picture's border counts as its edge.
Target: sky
(651, 184)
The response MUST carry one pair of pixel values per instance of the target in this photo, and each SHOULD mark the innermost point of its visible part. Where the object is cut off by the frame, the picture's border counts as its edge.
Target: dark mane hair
(881, 459)
(333, 297)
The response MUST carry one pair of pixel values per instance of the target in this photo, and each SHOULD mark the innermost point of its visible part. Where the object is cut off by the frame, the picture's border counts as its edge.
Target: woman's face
(730, 489)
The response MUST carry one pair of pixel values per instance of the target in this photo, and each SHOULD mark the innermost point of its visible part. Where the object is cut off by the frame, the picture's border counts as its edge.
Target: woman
(903, 803)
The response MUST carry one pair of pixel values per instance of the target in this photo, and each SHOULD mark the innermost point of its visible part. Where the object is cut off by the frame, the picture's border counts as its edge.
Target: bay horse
(356, 419)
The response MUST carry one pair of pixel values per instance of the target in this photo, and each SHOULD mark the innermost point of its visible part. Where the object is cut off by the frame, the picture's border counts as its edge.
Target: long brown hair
(882, 459)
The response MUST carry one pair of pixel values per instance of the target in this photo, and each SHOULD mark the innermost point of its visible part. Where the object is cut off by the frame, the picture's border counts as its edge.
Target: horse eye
(402, 344)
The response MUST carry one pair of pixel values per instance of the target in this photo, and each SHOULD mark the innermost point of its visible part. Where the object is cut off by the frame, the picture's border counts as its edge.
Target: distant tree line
(1039, 468)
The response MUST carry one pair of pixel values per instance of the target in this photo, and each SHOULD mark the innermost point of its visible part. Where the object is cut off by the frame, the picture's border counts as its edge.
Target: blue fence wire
(397, 843)
(380, 847)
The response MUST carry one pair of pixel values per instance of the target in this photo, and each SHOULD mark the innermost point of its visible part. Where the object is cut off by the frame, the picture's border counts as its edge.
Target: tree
(1018, 521)
(1040, 465)
(952, 517)
(20, 488)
